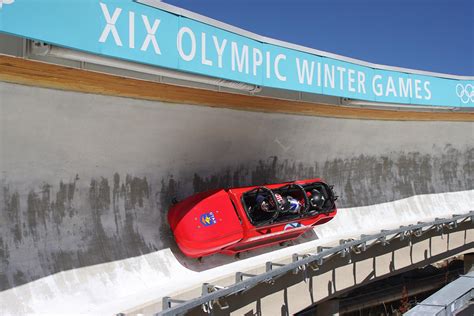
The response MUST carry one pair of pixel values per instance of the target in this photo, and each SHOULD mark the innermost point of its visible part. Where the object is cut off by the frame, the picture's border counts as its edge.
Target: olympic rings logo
(465, 93)
(2, 2)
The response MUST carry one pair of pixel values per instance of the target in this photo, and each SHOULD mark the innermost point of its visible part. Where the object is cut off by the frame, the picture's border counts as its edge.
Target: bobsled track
(87, 180)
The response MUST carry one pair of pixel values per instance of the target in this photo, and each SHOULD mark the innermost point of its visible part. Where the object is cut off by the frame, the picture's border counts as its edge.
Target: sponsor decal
(2, 2)
(208, 219)
(293, 225)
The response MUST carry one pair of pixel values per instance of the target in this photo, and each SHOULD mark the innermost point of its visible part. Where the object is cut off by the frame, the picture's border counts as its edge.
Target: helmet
(317, 199)
(264, 203)
(293, 205)
(280, 199)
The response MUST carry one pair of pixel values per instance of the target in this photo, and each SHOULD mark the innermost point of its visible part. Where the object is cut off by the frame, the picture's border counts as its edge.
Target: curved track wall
(87, 179)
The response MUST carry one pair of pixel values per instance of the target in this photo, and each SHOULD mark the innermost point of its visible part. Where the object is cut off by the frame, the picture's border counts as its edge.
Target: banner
(136, 32)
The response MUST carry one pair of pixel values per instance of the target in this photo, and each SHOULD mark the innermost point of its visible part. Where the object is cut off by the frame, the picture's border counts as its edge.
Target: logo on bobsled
(292, 226)
(208, 219)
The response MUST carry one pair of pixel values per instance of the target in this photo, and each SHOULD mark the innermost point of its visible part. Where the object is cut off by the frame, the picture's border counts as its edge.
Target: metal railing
(214, 295)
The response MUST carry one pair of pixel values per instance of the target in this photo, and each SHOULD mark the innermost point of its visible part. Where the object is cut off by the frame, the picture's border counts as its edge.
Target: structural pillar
(468, 262)
(328, 308)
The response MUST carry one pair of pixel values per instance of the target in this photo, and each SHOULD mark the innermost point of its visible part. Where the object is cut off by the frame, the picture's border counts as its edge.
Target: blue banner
(132, 31)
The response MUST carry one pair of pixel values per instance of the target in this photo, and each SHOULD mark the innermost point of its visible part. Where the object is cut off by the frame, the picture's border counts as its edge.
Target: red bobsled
(238, 219)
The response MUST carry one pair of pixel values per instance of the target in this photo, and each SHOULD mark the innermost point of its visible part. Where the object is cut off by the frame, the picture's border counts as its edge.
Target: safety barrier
(215, 295)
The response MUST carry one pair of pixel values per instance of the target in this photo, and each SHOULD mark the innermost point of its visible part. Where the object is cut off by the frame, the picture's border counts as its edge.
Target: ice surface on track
(87, 180)
(117, 286)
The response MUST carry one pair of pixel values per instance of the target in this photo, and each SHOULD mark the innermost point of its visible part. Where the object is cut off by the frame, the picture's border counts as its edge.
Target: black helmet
(317, 199)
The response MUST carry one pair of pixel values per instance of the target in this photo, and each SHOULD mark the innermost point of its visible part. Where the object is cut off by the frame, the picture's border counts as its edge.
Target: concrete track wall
(87, 179)
(137, 284)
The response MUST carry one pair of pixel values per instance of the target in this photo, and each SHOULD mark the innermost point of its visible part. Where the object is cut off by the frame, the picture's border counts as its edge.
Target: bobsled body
(238, 219)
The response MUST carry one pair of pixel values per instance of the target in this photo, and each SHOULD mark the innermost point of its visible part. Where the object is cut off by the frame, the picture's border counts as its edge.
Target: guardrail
(214, 294)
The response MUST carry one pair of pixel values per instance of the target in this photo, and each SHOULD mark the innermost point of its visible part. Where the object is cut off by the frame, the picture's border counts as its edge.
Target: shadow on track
(217, 260)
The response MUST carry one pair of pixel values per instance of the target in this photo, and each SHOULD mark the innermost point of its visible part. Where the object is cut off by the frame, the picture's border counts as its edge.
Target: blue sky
(432, 35)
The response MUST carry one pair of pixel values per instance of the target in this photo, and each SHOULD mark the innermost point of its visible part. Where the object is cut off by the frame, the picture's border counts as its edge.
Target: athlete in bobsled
(316, 199)
(287, 204)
